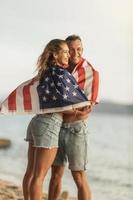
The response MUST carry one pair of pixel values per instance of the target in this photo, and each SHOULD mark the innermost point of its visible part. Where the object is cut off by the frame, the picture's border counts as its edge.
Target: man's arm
(79, 111)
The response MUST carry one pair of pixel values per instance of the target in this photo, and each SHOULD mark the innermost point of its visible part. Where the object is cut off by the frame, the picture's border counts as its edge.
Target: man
(73, 142)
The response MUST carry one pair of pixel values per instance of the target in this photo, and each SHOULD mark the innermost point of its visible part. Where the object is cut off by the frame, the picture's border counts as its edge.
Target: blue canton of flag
(58, 88)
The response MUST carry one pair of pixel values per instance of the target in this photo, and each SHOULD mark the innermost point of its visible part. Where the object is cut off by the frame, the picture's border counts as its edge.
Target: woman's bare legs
(43, 159)
(29, 172)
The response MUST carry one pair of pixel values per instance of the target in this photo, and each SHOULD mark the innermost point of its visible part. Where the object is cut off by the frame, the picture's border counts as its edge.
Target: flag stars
(57, 91)
(47, 91)
(75, 86)
(61, 70)
(68, 80)
(46, 79)
(44, 98)
(54, 98)
(59, 84)
(65, 96)
(52, 84)
(67, 88)
(60, 76)
(74, 93)
(42, 86)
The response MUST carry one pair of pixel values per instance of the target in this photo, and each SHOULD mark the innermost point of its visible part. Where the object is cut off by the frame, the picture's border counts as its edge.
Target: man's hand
(77, 113)
(83, 111)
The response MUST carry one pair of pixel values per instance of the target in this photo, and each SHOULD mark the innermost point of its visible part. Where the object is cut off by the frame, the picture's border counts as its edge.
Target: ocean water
(110, 173)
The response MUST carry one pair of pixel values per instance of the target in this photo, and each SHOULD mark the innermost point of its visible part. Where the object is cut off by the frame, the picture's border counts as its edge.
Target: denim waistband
(73, 124)
(52, 115)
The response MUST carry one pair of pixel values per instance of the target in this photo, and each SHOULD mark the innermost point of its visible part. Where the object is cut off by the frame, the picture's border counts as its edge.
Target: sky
(104, 26)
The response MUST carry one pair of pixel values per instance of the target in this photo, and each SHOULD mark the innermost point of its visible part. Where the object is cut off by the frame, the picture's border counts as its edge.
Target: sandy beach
(11, 191)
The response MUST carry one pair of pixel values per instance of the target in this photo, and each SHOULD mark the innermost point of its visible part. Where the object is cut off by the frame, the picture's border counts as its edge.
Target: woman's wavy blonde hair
(47, 59)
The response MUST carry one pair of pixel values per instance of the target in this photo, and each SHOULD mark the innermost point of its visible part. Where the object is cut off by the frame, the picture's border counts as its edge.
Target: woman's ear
(55, 55)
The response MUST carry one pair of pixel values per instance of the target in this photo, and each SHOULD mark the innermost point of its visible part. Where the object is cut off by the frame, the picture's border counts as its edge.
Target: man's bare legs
(29, 172)
(84, 192)
(79, 177)
(55, 182)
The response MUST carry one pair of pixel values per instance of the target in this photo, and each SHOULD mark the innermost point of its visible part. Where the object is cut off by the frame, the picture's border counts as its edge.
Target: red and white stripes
(88, 80)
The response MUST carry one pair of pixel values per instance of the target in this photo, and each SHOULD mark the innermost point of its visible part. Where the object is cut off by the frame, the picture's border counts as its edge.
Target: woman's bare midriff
(72, 118)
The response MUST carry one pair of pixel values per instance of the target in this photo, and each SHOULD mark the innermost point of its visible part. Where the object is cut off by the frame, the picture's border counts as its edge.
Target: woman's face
(62, 57)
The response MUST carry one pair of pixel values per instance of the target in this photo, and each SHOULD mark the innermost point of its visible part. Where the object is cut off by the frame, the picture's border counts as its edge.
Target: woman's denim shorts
(43, 130)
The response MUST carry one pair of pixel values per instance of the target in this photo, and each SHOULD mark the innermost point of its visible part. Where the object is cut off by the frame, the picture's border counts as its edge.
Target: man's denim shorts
(73, 146)
(43, 130)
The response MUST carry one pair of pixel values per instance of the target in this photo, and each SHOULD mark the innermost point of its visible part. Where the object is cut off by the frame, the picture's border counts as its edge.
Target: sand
(10, 191)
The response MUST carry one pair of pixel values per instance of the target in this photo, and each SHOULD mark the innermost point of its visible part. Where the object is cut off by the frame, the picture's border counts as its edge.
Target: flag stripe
(81, 78)
(35, 97)
(19, 97)
(95, 85)
(79, 74)
(88, 79)
(12, 101)
(27, 97)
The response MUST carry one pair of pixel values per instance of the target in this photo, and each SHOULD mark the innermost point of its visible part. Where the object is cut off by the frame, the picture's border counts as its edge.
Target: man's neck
(71, 67)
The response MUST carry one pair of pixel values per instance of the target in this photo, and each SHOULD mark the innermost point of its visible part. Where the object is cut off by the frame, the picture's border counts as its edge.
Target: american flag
(57, 91)
(88, 80)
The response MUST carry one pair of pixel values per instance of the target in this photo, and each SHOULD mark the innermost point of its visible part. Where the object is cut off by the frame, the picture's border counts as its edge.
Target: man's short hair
(72, 38)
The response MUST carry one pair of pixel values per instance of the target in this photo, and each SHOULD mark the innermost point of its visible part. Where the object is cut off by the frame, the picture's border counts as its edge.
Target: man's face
(75, 50)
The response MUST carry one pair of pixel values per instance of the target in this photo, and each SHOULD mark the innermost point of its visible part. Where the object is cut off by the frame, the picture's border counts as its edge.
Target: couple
(66, 129)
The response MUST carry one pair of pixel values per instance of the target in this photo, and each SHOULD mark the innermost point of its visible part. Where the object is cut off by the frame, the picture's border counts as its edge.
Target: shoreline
(11, 191)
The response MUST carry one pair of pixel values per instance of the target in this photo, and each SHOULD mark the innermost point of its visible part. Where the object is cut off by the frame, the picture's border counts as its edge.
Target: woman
(43, 130)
